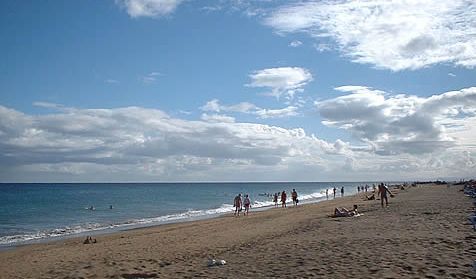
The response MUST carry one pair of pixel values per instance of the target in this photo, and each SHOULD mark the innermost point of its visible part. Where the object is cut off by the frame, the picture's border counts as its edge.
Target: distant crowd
(240, 203)
(243, 203)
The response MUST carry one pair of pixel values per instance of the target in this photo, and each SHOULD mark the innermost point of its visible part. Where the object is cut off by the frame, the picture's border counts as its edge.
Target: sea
(41, 212)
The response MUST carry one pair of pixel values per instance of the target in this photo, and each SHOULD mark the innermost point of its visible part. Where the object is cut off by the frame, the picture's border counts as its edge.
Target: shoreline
(138, 226)
(63, 233)
(425, 234)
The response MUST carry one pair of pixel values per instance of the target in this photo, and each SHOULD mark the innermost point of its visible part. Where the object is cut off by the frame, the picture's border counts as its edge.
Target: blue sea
(42, 212)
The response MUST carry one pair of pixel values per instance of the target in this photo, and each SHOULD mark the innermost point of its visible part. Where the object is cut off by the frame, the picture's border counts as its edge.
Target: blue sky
(170, 90)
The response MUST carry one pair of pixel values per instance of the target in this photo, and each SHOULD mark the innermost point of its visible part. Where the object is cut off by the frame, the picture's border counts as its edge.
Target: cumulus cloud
(395, 35)
(215, 106)
(118, 142)
(402, 137)
(149, 8)
(248, 108)
(277, 113)
(285, 81)
(217, 118)
(295, 43)
(394, 124)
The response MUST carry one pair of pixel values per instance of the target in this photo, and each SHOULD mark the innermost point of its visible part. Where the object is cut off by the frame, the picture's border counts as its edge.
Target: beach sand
(424, 233)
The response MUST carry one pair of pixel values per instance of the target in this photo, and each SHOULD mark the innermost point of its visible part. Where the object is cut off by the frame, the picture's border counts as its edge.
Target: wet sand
(424, 233)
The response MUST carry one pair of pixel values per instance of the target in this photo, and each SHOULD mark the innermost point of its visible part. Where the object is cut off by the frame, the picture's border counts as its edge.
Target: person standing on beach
(327, 193)
(383, 190)
(275, 199)
(342, 191)
(247, 204)
(283, 199)
(294, 196)
(334, 191)
(237, 203)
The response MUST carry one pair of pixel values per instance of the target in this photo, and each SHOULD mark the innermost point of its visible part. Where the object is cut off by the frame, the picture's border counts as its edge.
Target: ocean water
(42, 212)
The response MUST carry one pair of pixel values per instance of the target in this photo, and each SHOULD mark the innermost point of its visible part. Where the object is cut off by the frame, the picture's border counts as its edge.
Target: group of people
(365, 188)
(334, 191)
(383, 192)
(284, 196)
(239, 202)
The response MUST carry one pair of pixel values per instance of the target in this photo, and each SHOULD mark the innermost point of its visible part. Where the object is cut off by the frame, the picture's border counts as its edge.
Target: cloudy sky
(237, 90)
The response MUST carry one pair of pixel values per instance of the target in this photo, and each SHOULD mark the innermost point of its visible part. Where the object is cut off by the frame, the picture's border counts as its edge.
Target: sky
(237, 90)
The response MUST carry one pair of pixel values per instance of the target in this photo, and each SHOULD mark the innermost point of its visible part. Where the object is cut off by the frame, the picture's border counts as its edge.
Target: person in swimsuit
(237, 204)
(383, 190)
(247, 204)
(345, 212)
(294, 196)
(283, 199)
(275, 199)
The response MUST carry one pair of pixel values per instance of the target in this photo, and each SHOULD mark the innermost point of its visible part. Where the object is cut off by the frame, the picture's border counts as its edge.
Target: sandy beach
(424, 233)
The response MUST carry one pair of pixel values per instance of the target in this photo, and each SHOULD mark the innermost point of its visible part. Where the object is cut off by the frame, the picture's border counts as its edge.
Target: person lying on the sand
(345, 212)
(370, 198)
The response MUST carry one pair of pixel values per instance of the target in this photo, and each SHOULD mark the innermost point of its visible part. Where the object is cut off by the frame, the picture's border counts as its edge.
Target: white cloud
(321, 47)
(248, 108)
(217, 118)
(282, 81)
(451, 74)
(277, 113)
(395, 35)
(150, 77)
(214, 106)
(48, 105)
(138, 144)
(295, 43)
(146, 144)
(149, 8)
(394, 124)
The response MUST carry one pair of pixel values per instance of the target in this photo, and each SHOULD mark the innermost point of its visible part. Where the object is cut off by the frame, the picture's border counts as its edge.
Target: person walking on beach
(383, 190)
(334, 191)
(275, 199)
(342, 191)
(294, 196)
(283, 199)
(237, 203)
(247, 204)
